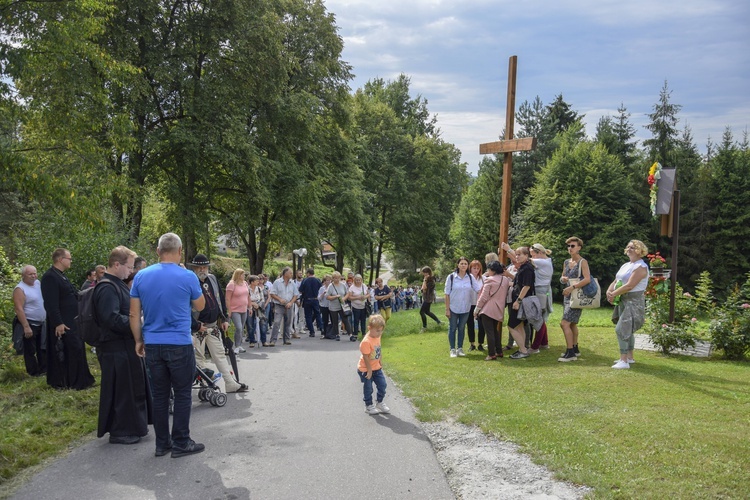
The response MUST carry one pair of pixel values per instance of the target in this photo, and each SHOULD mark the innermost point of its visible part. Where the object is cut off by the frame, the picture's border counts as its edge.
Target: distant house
(329, 254)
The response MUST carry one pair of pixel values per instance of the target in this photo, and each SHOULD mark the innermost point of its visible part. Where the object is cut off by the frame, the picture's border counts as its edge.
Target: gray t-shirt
(340, 289)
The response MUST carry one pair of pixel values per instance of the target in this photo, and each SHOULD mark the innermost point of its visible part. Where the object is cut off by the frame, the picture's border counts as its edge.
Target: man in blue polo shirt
(164, 292)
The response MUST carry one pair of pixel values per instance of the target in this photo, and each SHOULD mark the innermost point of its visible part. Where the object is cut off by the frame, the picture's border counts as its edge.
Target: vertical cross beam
(508, 156)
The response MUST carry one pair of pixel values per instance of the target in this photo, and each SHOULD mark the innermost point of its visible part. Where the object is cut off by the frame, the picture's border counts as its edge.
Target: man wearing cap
(209, 324)
(284, 295)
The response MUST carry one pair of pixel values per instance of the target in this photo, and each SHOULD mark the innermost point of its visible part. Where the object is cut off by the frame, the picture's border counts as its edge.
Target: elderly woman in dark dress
(630, 310)
(574, 267)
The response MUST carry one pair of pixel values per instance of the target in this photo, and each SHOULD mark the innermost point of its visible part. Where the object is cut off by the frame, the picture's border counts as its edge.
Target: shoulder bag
(587, 297)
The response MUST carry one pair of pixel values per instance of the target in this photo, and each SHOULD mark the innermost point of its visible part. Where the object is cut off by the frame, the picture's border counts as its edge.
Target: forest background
(121, 120)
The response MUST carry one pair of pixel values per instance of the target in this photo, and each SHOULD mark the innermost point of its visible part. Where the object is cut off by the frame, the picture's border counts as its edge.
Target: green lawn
(39, 422)
(671, 427)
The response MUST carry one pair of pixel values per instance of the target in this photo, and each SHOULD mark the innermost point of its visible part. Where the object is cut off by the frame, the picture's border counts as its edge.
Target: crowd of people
(522, 291)
(158, 321)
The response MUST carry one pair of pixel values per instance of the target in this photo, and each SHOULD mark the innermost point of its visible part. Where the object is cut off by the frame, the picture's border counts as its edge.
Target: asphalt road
(300, 432)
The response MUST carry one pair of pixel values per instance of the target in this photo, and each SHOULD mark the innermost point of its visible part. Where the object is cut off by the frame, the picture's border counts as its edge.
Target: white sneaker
(382, 407)
(236, 350)
(453, 353)
(460, 352)
(242, 349)
(620, 365)
(371, 410)
(630, 361)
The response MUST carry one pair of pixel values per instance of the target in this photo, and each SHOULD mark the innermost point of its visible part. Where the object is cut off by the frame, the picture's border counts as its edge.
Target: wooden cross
(508, 147)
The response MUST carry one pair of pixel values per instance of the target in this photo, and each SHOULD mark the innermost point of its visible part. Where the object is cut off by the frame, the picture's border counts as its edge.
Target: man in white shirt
(284, 295)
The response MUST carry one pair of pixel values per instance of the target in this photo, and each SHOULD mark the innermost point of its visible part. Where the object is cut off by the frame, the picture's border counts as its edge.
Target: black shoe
(480, 347)
(473, 348)
(338, 338)
(124, 439)
(576, 351)
(353, 338)
(568, 356)
(312, 335)
(191, 448)
(160, 452)
(519, 355)
(507, 348)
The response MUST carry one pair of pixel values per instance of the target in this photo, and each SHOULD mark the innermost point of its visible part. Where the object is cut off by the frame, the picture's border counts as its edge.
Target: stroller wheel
(220, 398)
(202, 396)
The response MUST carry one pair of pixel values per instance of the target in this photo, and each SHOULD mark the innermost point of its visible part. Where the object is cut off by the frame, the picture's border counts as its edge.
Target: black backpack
(86, 324)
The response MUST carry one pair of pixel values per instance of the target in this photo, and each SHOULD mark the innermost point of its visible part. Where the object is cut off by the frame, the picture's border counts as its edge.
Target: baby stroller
(208, 390)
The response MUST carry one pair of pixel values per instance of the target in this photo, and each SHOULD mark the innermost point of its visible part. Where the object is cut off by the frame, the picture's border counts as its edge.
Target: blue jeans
(171, 367)
(359, 320)
(379, 378)
(251, 327)
(312, 312)
(457, 322)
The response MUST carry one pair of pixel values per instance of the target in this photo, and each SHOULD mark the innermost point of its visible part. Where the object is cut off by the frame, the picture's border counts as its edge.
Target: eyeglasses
(69, 258)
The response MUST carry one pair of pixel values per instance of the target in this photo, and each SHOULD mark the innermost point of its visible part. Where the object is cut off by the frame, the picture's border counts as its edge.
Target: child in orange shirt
(369, 367)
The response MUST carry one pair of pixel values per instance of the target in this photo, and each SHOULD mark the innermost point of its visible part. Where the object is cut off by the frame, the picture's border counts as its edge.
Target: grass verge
(40, 422)
(671, 427)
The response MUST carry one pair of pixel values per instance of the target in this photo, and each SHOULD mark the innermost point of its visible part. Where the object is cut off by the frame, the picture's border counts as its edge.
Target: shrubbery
(730, 328)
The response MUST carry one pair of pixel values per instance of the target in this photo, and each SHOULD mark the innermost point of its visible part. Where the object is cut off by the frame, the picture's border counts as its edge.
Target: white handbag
(579, 300)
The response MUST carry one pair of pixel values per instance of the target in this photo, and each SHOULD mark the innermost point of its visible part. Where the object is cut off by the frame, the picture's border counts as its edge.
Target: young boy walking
(369, 367)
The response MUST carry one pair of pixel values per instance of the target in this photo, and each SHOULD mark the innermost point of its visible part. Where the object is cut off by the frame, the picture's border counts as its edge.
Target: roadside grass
(670, 427)
(39, 422)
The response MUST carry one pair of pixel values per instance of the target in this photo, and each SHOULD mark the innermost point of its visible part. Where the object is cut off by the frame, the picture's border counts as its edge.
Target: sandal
(491, 358)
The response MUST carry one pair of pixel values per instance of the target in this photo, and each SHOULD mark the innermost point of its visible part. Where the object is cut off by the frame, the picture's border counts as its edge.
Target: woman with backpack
(458, 294)
(428, 292)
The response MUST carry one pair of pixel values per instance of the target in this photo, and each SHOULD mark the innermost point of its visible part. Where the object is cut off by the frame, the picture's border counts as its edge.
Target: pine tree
(663, 128)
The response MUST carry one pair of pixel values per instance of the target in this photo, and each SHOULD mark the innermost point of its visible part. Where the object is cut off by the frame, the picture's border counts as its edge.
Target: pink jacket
(491, 300)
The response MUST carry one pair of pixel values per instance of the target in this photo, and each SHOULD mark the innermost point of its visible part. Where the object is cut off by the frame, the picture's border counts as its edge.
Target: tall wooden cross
(508, 147)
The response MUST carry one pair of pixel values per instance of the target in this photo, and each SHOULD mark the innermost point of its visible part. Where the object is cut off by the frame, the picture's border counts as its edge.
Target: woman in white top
(337, 295)
(358, 294)
(540, 258)
(458, 291)
(257, 310)
(630, 311)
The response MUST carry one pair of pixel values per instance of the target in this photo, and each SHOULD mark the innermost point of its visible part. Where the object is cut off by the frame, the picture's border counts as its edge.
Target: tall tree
(663, 128)
(581, 191)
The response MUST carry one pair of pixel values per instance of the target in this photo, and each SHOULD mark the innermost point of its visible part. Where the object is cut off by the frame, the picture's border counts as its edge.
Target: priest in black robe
(125, 398)
(67, 366)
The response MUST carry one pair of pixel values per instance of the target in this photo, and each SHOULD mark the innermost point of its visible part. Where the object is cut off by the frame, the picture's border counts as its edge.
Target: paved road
(301, 432)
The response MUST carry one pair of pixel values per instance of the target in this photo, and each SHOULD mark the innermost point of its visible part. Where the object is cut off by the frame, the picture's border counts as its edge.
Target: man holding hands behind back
(165, 292)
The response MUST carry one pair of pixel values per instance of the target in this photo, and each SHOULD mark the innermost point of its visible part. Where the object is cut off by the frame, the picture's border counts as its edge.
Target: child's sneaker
(453, 353)
(371, 410)
(382, 407)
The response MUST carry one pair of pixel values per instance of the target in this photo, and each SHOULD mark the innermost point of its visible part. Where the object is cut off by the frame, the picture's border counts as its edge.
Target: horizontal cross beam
(509, 146)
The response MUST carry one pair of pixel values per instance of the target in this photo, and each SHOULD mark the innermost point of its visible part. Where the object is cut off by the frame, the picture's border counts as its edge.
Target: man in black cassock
(125, 396)
(66, 353)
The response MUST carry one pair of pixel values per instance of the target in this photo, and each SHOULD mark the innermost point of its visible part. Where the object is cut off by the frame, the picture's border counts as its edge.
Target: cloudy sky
(596, 53)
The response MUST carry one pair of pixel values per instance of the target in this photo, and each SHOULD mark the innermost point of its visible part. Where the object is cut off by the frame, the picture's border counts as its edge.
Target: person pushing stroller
(209, 324)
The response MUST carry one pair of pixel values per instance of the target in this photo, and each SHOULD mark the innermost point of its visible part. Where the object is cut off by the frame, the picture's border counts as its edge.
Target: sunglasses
(573, 245)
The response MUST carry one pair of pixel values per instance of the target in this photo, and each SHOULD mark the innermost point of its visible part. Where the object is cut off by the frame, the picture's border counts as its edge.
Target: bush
(730, 330)
(680, 334)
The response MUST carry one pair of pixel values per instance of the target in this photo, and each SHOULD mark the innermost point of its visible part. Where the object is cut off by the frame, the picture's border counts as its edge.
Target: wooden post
(675, 238)
(508, 159)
